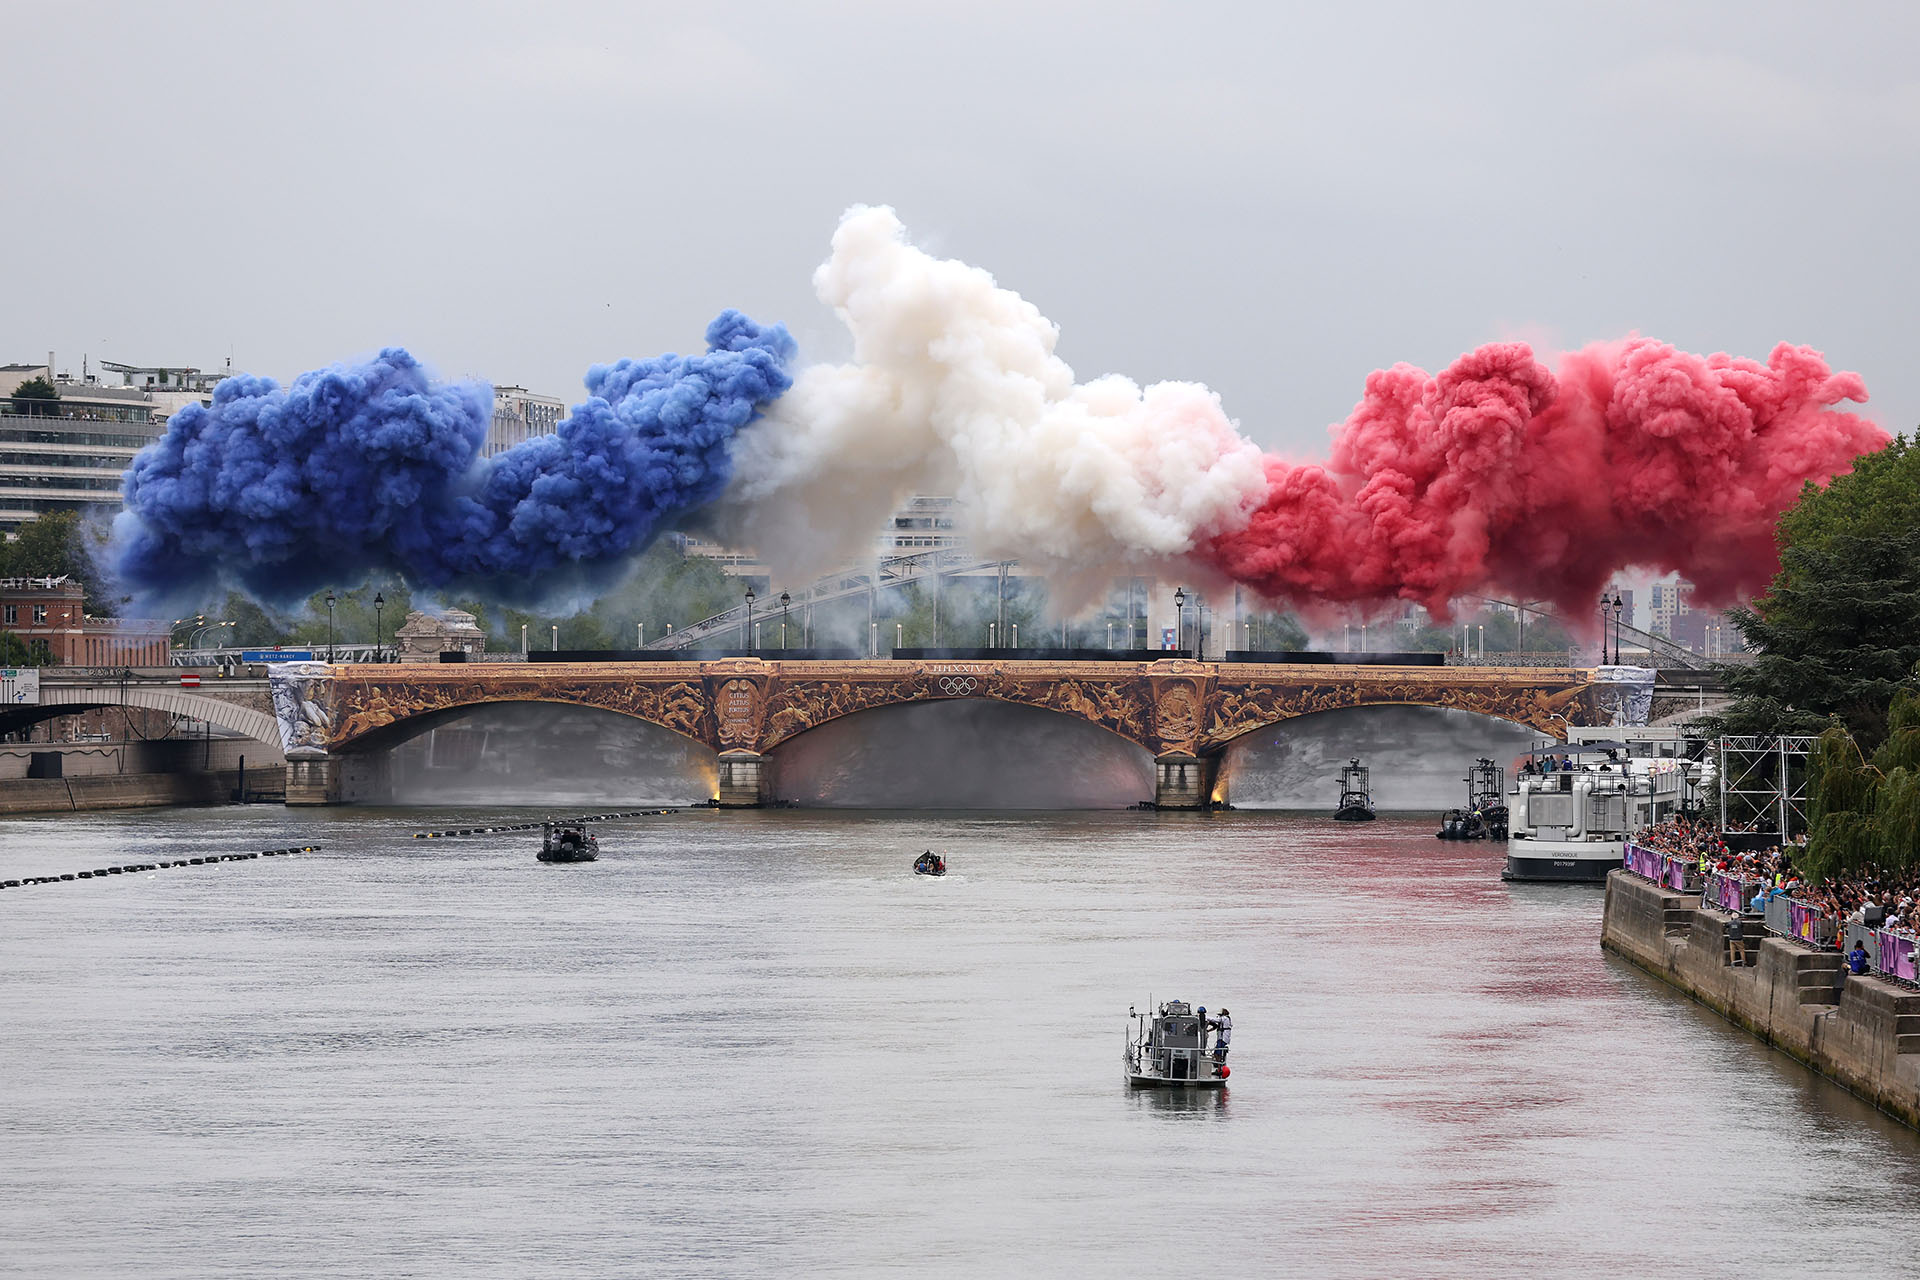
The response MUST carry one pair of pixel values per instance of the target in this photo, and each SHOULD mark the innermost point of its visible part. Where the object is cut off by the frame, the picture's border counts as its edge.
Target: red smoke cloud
(1499, 476)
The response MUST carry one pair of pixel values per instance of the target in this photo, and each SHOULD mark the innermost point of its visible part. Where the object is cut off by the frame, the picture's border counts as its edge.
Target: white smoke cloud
(954, 388)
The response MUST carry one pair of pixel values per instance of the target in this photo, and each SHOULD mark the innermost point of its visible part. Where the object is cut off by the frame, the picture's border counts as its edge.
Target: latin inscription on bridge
(1171, 706)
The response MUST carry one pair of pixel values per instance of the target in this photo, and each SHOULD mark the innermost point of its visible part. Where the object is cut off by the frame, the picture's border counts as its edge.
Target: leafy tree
(40, 396)
(54, 544)
(15, 652)
(1838, 632)
(1837, 636)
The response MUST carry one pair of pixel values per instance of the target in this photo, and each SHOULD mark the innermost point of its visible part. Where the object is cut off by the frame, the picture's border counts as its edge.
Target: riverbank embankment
(1859, 1031)
(61, 777)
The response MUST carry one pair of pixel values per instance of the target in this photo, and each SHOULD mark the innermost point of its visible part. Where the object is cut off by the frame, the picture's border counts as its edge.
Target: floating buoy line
(131, 867)
(535, 826)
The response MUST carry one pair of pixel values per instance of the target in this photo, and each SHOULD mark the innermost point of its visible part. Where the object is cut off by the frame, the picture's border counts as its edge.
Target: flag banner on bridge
(20, 686)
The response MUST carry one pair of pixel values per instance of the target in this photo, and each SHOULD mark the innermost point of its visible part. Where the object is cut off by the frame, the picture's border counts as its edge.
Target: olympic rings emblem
(958, 686)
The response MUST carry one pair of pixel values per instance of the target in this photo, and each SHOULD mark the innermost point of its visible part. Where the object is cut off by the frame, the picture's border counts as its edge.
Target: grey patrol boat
(1168, 1049)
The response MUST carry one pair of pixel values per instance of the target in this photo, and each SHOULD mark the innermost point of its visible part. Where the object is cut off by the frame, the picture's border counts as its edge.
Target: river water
(754, 1044)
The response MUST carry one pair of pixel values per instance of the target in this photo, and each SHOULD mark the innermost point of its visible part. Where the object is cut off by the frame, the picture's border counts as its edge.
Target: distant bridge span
(1182, 711)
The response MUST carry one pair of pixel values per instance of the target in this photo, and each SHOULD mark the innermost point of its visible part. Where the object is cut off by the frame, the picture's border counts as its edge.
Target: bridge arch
(1515, 719)
(383, 735)
(960, 753)
(780, 733)
(58, 700)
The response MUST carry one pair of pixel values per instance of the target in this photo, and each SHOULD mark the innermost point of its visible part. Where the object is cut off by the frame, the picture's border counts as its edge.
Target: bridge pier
(1182, 781)
(313, 780)
(746, 780)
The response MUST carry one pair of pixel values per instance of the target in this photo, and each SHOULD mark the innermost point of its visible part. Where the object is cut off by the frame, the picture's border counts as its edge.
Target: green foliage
(1878, 498)
(54, 544)
(1837, 636)
(15, 652)
(41, 395)
(1838, 632)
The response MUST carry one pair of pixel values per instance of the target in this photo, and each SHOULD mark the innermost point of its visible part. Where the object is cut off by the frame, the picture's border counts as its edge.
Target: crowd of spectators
(1871, 895)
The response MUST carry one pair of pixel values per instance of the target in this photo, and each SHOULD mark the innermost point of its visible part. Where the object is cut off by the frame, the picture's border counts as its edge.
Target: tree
(1837, 634)
(15, 652)
(1865, 812)
(40, 396)
(54, 544)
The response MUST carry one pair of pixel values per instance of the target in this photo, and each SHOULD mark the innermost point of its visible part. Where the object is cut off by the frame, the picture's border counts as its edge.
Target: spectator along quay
(1823, 972)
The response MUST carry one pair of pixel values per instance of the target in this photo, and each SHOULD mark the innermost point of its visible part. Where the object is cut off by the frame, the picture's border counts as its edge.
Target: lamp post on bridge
(329, 626)
(1180, 619)
(1619, 607)
(785, 600)
(379, 628)
(746, 631)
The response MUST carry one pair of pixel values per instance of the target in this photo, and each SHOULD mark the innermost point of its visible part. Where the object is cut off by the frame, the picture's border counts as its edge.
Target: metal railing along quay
(1890, 952)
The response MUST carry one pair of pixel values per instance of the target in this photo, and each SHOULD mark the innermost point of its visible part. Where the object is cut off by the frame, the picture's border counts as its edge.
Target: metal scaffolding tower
(1763, 783)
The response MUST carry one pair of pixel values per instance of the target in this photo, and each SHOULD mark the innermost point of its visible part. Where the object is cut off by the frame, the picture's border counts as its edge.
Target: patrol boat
(1574, 807)
(1168, 1050)
(1356, 799)
(561, 842)
(1485, 817)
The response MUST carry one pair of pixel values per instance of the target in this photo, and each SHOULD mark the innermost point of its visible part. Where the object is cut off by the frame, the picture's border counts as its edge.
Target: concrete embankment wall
(1860, 1031)
(125, 790)
(162, 755)
(137, 775)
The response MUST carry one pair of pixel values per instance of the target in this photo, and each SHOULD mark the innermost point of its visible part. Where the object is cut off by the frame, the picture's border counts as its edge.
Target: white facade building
(520, 415)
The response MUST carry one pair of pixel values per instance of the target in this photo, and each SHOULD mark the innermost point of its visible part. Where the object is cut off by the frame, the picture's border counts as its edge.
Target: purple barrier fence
(1729, 893)
(1896, 955)
(1645, 863)
(1809, 923)
(1675, 872)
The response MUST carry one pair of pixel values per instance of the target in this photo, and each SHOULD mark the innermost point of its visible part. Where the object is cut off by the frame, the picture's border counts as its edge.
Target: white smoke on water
(954, 388)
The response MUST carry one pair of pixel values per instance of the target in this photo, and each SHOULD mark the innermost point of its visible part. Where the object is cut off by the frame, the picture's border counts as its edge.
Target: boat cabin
(1595, 791)
(1169, 1048)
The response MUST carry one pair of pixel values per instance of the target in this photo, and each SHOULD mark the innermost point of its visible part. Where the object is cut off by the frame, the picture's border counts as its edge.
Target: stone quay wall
(1860, 1031)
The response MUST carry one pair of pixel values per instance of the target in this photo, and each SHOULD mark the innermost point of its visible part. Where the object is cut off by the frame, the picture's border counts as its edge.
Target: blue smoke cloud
(358, 468)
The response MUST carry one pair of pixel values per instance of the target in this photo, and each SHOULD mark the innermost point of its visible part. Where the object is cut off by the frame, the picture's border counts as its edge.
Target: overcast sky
(1271, 199)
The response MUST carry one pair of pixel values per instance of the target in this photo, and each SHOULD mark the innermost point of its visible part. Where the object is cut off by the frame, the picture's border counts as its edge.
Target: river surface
(753, 1044)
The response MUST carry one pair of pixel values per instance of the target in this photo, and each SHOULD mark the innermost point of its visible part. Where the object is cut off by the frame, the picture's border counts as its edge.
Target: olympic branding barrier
(1644, 863)
(1662, 869)
(1891, 955)
(1729, 893)
(1896, 956)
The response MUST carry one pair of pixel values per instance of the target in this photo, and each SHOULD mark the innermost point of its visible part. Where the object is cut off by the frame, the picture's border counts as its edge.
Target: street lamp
(785, 600)
(329, 626)
(1618, 606)
(1180, 618)
(746, 635)
(379, 631)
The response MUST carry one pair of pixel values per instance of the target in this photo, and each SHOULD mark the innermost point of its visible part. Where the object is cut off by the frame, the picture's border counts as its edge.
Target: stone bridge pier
(336, 720)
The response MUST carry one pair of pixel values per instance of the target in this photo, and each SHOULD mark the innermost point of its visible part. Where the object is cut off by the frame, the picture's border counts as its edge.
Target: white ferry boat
(1573, 807)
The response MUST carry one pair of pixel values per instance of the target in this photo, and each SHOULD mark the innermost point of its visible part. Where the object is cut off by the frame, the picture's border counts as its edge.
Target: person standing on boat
(1222, 1034)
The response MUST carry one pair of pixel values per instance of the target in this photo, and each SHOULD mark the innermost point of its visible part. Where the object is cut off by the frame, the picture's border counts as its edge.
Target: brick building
(49, 614)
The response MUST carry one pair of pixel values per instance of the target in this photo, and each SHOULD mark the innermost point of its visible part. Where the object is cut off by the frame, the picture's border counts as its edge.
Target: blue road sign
(276, 655)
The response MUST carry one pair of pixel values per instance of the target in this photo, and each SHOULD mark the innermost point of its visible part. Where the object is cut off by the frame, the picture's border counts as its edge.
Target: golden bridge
(1183, 711)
